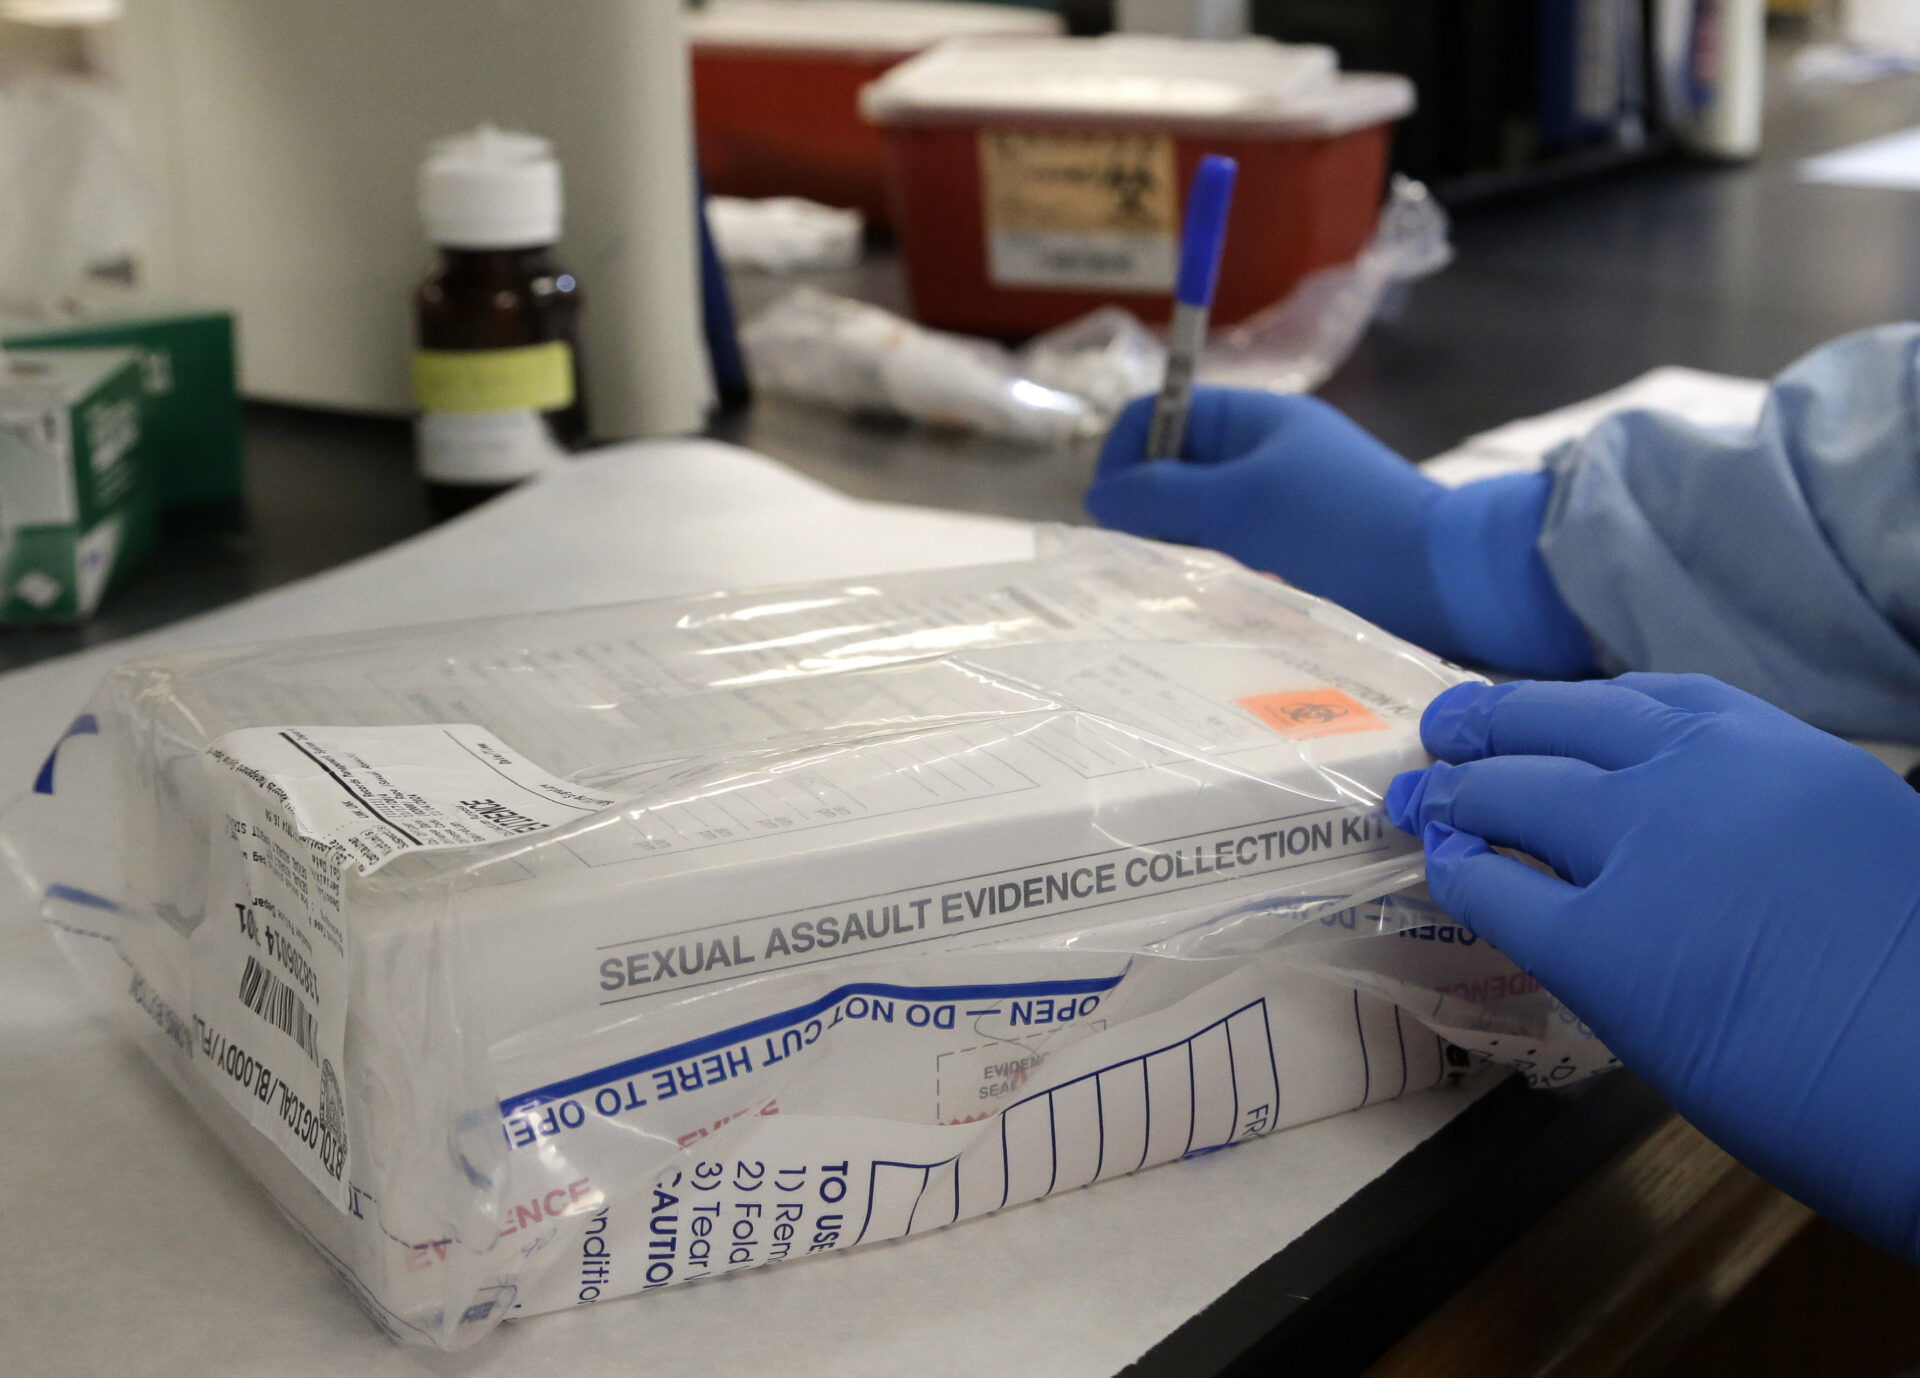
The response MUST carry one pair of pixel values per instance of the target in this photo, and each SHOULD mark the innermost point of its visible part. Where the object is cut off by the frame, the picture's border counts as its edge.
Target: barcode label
(277, 1003)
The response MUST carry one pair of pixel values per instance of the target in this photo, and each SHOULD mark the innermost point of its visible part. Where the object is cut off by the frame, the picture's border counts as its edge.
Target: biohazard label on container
(1305, 713)
(295, 810)
(1079, 209)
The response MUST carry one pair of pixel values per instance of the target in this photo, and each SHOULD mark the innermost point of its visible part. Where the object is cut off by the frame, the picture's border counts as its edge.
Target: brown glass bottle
(495, 367)
(493, 300)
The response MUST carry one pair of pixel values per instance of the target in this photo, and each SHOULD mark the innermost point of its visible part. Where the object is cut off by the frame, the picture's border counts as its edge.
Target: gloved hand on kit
(1735, 910)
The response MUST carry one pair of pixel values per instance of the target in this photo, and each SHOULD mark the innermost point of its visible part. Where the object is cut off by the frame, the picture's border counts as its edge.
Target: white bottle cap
(491, 189)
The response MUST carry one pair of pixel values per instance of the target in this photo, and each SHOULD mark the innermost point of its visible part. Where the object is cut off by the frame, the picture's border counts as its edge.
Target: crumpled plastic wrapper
(1067, 383)
(816, 347)
(783, 234)
(1293, 346)
(1109, 356)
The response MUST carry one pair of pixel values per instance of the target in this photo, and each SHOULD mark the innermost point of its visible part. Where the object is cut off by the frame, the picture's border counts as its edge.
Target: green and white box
(190, 424)
(76, 505)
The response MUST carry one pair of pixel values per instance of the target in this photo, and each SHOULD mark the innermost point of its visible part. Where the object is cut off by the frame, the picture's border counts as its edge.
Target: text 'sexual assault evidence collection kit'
(536, 961)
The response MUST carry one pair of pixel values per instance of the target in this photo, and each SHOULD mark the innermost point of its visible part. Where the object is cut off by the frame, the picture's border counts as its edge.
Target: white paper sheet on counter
(137, 1246)
(1706, 399)
(1891, 161)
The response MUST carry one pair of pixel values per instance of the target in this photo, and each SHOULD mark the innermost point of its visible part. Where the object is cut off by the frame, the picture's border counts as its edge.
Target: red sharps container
(776, 88)
(1035, 179)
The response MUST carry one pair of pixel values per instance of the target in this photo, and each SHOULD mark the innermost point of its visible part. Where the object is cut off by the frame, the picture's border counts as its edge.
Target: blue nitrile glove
(1291, 486)
(1738, 913)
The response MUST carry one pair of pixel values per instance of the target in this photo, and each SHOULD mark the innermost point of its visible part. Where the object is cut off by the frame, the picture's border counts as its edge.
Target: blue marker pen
(1201, 240)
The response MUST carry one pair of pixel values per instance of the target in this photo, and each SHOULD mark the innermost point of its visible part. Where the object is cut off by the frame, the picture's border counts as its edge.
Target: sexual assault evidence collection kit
(535, 961)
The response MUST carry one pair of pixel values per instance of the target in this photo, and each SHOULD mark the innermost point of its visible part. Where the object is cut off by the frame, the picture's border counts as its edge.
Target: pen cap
(1205, 231)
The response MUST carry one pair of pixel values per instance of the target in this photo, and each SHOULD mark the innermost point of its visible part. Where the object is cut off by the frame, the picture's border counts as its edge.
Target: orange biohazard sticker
(1312, 713)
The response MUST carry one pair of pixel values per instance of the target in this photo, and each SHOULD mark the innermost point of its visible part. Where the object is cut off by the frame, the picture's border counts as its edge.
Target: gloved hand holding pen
(1784, 559)
(1290, 486)
(1734, 903)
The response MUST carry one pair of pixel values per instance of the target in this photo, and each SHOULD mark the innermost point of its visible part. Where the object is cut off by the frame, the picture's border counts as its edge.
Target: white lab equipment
(286, 135)
(61, 12)
(1734, 59)
(1710, 73)
(1889, 24)
(72, 196)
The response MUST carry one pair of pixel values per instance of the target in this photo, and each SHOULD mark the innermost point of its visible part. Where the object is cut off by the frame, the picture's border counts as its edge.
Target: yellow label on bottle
(530, 378)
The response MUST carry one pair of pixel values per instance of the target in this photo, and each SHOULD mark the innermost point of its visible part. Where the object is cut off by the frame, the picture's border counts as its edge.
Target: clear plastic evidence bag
(540, 960)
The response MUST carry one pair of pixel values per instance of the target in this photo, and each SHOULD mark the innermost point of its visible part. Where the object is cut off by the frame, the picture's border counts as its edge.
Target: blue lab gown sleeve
(1786, 562)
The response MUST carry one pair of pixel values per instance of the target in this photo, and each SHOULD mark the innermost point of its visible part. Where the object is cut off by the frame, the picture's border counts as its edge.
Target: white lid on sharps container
(1254, 85)
(491, 189)
(853, 29)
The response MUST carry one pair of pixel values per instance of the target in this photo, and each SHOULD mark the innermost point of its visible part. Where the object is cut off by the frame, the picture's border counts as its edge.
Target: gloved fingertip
(1437, 841)
(1100, 502)
(1125, 502)
(1126, 442)
(1162, 501)
(1456, 723)
(1432, 802)
(1446, 846)
(1403, 799)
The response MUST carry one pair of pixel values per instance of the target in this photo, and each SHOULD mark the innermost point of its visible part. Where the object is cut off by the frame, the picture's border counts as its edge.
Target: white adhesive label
(295, 810)
(1082, 262)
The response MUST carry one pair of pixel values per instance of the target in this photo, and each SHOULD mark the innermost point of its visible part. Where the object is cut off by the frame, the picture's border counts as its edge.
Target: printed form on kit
(535, 961)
